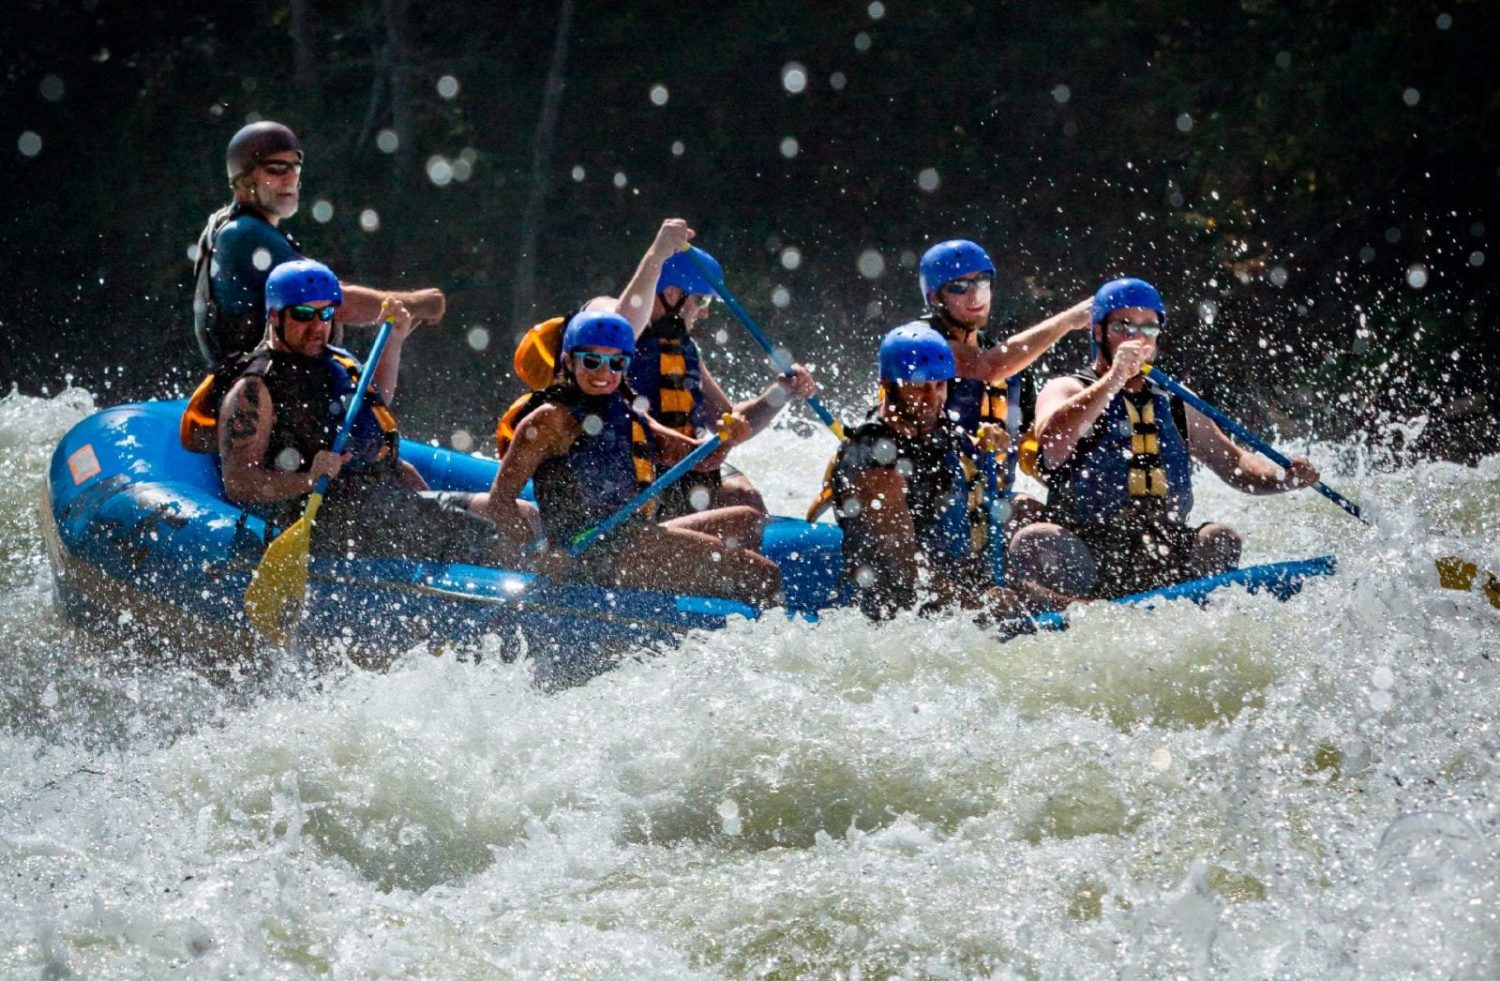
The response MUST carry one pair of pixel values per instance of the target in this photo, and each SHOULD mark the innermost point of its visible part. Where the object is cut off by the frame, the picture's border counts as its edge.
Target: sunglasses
(280, 168)
(958, 287)
(592, 361)
(303, 313)
(1133, 330)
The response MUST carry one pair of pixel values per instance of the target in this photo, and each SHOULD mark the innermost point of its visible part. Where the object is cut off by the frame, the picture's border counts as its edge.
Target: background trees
(1313, 185)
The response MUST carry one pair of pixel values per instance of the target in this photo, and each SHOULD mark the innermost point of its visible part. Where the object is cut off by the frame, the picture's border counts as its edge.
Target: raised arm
(636, 301)
(362, 304)
(1020, 350)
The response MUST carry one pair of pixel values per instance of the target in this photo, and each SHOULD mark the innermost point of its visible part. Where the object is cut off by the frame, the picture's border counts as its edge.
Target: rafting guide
(244, 241)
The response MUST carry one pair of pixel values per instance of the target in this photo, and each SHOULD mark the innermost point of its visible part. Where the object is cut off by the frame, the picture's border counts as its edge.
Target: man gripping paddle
(1117, 458)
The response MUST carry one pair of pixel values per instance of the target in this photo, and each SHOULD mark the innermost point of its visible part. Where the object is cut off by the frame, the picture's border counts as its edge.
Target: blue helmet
(679, 271)
(1121, 293)
(915, 352)
(597, 329)
(301, 281)
(949, 260)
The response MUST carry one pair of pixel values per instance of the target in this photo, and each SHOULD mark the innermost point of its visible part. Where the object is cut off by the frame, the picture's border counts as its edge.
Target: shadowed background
(1313, 185)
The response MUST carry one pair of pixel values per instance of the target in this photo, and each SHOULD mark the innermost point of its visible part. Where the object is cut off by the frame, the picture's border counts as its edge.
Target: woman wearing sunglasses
(282, 407)
(589, 450)
(1117, 459)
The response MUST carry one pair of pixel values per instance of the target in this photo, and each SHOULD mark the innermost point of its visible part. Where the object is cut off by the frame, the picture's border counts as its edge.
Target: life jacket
(940, 487)
(1133, 462)
(667, 371)
(214, 328)
(505, 429)
(310, 396)
(602, 470)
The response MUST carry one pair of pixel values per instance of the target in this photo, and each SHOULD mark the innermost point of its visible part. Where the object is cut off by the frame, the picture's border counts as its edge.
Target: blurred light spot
(1416, 276)
(578, 173)
(837, 81)
(699, 498)
(369, 220)
(659, 95)
(1393, 235)
(1476, 258)
(192, 252)
(439, 170)
(1367, 254)
(593, 425)
(288, 460)
(1380, 700)
(1176, 200)
(447, 86)
(30, 144)
(1161, 758)
(1283, 59)
(619, 180)
(928, 179)
(1061, 93)
(462, 170)
(1185, 123)
(261, 259)
(387, 141)
(1444, 21)
(721, 336)
(52, 88)
(1208, 310)
(861, 42)
(791, 257)
(877, 10)
(907, 259)
(789, 147)
(478, 338)
(793, 77)
(1383, 678)
(871, 264)
(678, 149)
(461, 440)
(781, 297)
(1411, 97)
(1278, 276)
(322, 211)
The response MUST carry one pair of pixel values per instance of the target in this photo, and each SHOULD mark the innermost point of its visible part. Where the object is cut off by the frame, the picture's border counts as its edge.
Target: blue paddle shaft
(1159, 377)
(366, 379)
(778, 358)
(584, 539)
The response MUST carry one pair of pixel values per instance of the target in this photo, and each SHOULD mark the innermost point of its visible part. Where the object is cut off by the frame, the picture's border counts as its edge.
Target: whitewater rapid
(1254, 789)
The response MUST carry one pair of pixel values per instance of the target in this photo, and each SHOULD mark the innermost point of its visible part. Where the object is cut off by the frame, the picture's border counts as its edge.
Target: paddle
(996, 496)
(586, 538)
(1159, 377)
(278, 588)
(779, 358)
(1460, 574)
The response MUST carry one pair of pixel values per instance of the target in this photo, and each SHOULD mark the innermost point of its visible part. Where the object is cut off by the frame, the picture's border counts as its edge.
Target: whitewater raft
(143, 543)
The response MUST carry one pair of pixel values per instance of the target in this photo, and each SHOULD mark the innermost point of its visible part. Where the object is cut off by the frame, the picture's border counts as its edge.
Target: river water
(1254, 789)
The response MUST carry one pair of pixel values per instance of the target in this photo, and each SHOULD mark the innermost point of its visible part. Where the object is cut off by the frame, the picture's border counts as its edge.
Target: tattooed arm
(244, 435)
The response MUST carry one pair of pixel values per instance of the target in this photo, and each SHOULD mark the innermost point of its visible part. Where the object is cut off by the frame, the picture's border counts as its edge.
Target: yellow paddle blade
(1460, 574)
(273, 601)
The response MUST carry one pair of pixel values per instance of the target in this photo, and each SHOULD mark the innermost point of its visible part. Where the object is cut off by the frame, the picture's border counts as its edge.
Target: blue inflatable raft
(144, 544)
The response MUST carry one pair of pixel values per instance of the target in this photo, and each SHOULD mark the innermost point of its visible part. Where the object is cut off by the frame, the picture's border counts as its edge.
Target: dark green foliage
(1296, 150)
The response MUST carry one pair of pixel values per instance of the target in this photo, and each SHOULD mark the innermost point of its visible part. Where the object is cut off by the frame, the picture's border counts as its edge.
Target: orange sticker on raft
(83, 463)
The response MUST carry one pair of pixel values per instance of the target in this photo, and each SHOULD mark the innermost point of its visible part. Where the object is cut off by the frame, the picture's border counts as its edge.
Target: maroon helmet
(254, 143)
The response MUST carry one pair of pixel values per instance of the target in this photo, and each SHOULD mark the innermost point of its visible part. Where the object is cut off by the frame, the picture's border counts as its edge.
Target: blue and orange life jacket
(667, 371)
